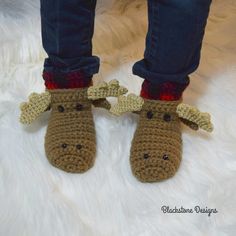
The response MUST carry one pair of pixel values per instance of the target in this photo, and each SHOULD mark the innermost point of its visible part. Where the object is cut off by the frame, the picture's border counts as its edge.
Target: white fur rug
(36, 199)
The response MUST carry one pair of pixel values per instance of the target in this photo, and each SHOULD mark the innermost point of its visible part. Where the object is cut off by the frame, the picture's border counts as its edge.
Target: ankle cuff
(168, 91)
(66, 81)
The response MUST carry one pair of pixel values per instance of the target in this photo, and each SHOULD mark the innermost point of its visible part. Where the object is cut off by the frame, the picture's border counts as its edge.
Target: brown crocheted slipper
(157, 145)
(70, 142)
(156, 149)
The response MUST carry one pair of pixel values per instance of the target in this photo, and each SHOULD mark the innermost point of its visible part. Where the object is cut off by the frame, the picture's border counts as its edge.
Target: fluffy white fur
(36, 199)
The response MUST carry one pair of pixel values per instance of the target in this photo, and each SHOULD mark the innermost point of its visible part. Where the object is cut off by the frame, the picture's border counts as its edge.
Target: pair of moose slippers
(70, 141)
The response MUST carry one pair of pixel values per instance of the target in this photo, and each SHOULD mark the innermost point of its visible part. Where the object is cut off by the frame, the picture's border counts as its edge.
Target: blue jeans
(173, 43)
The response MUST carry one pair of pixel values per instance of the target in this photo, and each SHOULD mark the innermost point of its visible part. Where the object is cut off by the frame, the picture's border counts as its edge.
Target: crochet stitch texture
(156, 149)
(70, 142)
(38, 103)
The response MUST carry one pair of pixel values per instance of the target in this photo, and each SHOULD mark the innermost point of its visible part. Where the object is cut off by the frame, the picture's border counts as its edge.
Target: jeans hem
(87, 70)
(158, 78)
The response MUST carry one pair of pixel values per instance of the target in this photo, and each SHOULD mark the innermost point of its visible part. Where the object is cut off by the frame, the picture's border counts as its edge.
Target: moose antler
(102, 103)
(129, 103)
(194, 116)
(104, 90)
(189, 115)
(38, 103)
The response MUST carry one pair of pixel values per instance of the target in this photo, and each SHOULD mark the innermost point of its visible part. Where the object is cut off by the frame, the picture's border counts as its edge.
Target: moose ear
(193, 118)
(37, 104)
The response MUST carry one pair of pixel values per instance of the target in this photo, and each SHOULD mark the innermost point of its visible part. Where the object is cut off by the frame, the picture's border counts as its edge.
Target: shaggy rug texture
(38, 200)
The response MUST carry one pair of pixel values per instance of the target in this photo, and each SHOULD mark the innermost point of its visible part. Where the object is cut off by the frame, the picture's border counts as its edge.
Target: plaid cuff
(66, 81)
(168, 91)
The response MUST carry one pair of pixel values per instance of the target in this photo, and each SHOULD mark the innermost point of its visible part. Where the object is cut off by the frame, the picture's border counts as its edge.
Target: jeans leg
(174, 40)
(67, 31)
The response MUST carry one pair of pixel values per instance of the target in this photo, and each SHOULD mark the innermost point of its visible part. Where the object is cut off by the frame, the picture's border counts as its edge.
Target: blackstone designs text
(196, 209)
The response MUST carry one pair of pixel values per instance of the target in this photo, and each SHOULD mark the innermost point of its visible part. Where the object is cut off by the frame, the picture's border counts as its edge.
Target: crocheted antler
(195, 119)
(38, 103)
(102, 103)
(189, 115)
(100, 92)
(129, 103)
(104, 90)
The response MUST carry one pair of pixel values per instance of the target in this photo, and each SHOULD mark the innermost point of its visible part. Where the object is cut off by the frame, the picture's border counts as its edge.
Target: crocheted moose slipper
(70, 142)
(156, 149)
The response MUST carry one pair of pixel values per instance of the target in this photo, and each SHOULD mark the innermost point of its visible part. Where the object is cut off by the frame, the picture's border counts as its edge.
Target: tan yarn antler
(102, 103)
(189, 115)
(194, 116)
(129, 103)
(38, 103)
(104, 90)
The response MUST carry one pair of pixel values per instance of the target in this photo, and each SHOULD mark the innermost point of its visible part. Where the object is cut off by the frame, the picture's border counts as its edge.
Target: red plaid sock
(168, 91)
(66, 81)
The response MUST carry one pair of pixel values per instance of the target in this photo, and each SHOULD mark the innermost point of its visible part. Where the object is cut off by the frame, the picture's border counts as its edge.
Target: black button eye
(146, 156)
(167, 117)
(78, 146)
(165, 157)
(149, 115)
(60, 108)
(64, 145)
(79, 107)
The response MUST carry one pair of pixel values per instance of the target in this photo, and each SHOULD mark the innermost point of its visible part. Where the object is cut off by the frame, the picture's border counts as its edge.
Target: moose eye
(60, 108)
(167, 117)
(78, 146)
(64, 145)
(145, 156)
(79, 107)
(150, 115)
(165, 157)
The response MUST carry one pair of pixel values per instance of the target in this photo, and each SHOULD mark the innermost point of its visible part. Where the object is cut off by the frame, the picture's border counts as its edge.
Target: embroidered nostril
(149, 115)
(167, 117)
(78, 146)
(60, 108)
(165, 157)
(64, 145)
(79, 107)
(145, 156)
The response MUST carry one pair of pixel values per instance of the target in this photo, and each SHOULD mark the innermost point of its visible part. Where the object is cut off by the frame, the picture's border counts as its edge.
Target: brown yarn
(157, 144)
(102, 103)
(70, 142)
